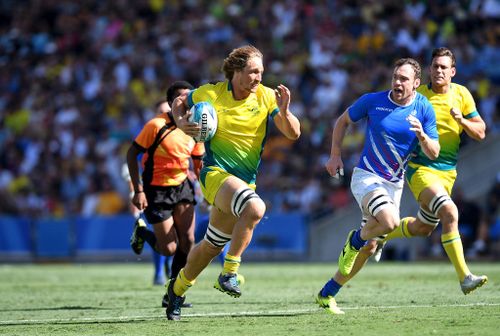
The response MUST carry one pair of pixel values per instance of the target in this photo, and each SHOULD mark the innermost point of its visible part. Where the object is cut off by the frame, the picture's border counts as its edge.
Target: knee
(391, 224)
(255, 210)
(448, 215)
(246, 203)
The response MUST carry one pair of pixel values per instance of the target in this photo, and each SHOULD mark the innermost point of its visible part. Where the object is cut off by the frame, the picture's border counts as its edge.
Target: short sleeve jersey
(389, 140)
(242, 128)
(448, 129)
(171, 157)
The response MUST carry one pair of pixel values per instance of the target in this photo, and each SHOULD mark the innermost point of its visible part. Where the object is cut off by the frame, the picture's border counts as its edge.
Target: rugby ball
(205, 116)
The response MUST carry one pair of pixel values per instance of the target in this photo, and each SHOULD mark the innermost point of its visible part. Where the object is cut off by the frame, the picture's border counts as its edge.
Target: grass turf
(278, 299)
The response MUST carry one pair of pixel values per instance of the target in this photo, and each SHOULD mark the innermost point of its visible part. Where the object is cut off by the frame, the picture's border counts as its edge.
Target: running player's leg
(383, 205)
(443, 207)
(419, 179)
(184, 223)
(166, 237)
(384, 216)
(184, 219)
(159, 214)
(326, 296)
(379, 203)
(197, 260)
(245, 205)
(202, 254)
(385, 220)
(236, 211)
(433, 189)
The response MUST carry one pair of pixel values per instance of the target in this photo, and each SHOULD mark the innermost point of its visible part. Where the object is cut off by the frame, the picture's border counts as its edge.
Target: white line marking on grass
(222, 314)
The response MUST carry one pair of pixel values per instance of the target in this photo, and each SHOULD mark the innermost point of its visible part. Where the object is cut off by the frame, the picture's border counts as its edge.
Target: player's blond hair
(443, 51)
(412, 62)
(238, 59)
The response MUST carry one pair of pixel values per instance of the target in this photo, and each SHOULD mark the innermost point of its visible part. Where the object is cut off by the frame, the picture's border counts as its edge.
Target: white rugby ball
(204, 114)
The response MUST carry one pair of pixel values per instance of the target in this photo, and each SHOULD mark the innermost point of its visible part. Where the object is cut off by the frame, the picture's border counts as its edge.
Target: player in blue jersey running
(398, 120)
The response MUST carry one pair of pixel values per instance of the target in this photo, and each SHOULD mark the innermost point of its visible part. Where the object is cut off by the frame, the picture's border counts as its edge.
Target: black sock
(178, 263)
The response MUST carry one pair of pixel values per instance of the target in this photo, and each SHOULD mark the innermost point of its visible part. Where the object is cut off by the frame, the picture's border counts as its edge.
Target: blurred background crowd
(79, 79)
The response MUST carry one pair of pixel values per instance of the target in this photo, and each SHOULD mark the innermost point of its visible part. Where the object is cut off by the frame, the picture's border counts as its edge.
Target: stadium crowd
(79, 79)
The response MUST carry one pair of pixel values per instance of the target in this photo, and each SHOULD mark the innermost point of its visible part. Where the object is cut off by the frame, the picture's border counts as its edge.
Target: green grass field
(278, 299)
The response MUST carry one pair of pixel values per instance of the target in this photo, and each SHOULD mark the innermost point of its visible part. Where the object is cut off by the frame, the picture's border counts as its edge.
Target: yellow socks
(181, 284)
(401, 231)
(452, 244)
(231, 264)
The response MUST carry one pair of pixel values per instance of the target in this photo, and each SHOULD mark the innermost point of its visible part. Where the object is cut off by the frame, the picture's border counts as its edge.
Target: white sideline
(235, 314)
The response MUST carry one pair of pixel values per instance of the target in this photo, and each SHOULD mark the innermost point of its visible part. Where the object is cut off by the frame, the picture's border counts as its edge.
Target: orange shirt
(171, 158)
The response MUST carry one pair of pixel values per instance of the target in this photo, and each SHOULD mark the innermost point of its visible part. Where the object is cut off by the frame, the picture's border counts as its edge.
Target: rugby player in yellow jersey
(244, 107)
(431, 181)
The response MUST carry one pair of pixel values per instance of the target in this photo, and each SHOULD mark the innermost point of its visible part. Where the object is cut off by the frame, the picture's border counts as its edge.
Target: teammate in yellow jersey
(431, 181)
(230, 165)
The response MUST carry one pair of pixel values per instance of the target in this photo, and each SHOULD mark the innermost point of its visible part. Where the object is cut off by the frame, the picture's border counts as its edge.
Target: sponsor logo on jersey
(384, 109)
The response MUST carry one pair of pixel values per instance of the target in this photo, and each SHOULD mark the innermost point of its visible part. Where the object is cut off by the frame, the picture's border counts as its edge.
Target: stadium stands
(79, 79)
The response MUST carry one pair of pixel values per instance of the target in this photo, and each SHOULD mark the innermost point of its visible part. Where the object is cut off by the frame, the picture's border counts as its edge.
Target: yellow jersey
(448, 129)
(241, 130)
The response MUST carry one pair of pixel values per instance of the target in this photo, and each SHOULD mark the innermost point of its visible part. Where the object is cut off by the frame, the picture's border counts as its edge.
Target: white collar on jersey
(411, 102)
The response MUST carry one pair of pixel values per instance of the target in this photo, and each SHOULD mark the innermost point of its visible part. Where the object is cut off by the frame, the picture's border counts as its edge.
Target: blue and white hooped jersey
(389, 141)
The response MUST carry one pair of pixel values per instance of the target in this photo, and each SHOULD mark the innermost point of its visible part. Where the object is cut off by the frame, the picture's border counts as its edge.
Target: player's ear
(416, 83)
(453, 71)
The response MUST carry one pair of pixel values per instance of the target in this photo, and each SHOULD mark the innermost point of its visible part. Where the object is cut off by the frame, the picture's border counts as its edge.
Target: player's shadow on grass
(256, 303)
(57, 308)
(24, 323)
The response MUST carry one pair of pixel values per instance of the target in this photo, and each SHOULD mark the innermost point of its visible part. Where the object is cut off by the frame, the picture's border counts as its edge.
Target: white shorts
(363, 182)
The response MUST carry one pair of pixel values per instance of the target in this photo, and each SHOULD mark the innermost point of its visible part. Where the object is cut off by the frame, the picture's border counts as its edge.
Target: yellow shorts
(422, 177)
(211, 179)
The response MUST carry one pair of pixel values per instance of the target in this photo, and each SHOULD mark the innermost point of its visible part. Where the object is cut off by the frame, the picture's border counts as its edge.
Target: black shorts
(162, 200)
